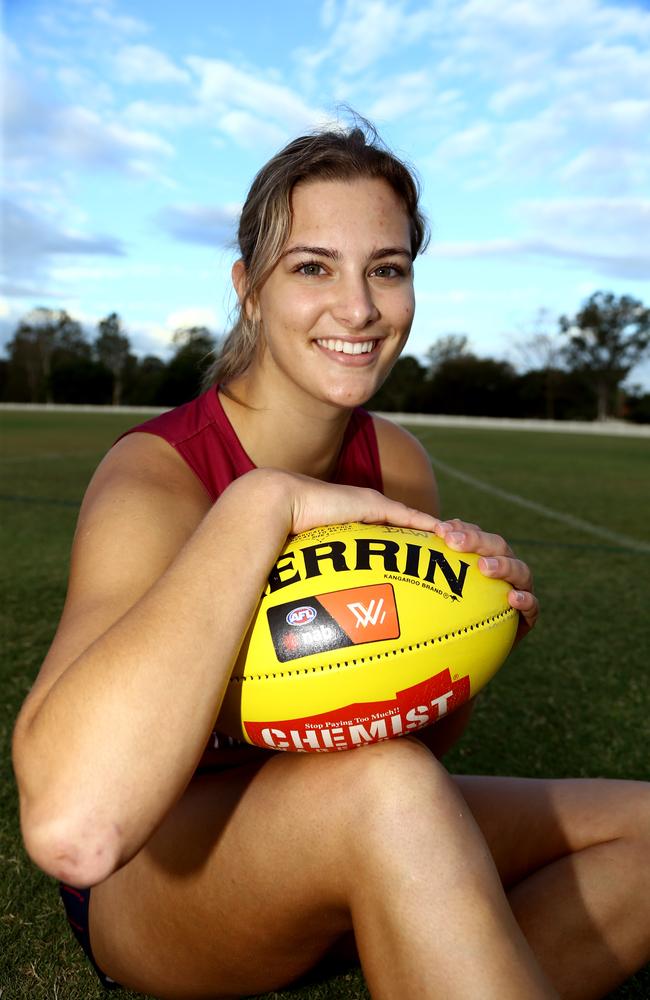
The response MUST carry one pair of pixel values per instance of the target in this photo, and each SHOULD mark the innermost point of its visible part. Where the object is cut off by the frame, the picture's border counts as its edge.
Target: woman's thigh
(243, 887)
(529, 823)
(239, 890)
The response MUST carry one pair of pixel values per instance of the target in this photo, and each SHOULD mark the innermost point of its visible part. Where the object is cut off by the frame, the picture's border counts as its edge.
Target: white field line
(556, 515)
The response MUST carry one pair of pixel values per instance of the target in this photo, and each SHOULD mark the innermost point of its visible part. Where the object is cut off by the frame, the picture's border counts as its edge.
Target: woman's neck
(289, 431)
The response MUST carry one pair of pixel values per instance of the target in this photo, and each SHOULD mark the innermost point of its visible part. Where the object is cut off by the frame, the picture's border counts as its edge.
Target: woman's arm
(158, 602)
(408, 477)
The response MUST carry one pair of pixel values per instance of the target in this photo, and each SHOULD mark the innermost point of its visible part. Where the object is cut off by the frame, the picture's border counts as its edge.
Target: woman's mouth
(348, 346)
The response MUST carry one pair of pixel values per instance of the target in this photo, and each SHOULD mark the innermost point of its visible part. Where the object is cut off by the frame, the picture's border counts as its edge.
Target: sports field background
(573, 700)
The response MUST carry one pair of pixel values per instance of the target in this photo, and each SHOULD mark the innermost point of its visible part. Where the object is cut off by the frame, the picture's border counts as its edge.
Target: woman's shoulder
(143, 470)
(397, 445)
(406, 466)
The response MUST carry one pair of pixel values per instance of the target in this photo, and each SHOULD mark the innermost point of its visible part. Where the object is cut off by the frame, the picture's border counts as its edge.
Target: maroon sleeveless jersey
(204, 437)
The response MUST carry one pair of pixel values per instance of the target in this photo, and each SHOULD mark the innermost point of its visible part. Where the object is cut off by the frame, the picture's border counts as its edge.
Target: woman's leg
(574, 858)
(256, 873)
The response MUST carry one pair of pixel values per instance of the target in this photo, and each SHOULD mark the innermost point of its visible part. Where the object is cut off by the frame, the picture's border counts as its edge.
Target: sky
(133, 131)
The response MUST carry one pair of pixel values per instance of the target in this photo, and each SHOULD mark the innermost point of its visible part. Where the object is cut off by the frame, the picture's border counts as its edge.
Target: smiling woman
(269, 217)
(194, 866)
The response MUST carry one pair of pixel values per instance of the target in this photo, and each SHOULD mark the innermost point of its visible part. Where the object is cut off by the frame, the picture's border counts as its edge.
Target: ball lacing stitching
(356, 661)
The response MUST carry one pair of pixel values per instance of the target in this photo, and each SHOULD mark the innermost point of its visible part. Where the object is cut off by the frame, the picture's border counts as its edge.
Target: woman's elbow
(79, 854)
(64, 838)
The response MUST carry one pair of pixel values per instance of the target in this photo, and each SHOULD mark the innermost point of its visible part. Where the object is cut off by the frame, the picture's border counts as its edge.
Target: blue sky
(134, 129)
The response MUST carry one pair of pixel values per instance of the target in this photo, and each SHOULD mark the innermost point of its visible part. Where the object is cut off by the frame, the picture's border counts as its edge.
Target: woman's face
(337, 308)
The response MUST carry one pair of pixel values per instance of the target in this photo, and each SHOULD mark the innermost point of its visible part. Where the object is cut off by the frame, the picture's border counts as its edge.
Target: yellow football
(365, 632)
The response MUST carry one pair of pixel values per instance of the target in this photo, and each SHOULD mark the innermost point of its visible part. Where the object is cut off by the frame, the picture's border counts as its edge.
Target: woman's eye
(388, 271)
(311, 269)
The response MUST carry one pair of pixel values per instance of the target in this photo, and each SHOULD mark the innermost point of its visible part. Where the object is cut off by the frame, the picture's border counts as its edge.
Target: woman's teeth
(345, 347)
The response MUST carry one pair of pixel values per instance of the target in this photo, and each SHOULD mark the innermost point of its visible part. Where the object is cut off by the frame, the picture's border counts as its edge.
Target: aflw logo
(352, 617)
(368, 615)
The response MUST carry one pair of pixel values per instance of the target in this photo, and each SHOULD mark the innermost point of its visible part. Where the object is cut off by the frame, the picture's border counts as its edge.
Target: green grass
(573, 700)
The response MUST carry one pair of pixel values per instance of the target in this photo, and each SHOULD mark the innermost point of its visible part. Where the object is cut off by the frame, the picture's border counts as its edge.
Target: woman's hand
(498, 561)
(314, 503)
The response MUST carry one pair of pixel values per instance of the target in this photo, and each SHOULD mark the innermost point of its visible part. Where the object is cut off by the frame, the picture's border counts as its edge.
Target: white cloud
(154, 337)
(39, 130)
(85, 136)
(9, 50)
(556, 21)
(207, 225)
(525, 249)
(36, 242)
(576, 75)
(607, 170)
(403, 94)
(516, 93)
(143, 64)
(225, 89)
(162, 115)
(76, 80)
(251, 131)
(148, 337)
(363, 32)
(182, 319)
(328, 13)
(366, 32)
(466, 143)
(605, 235)
(119, 23)
(611, 54)
(602, 225)
(534, 144)
(628, 113)
(95, 21)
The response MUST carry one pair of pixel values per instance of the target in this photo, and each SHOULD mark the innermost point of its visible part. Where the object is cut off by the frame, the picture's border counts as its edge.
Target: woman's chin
(350, 392)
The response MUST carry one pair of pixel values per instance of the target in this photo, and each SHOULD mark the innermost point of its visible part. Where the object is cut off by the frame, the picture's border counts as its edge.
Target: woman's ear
(239, 279)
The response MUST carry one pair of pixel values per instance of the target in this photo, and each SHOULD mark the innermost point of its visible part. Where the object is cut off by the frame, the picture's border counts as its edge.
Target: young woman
(220, 870)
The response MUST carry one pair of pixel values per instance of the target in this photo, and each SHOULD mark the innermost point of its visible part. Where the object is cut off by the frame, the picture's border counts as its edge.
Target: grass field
(573, 699)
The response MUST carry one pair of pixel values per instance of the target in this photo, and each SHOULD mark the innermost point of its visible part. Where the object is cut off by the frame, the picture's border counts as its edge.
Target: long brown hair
(265, 221)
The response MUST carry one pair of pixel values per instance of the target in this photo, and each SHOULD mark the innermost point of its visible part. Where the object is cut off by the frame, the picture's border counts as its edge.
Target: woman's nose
(354, 307)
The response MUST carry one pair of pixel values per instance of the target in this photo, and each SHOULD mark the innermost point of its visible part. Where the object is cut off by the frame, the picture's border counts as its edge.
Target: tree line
(51, 359)
(576, 371)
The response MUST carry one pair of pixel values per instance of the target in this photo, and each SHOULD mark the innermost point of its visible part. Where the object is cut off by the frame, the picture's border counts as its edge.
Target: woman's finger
(528, 607)
(508, 568)
(464, 537)
(456, 524)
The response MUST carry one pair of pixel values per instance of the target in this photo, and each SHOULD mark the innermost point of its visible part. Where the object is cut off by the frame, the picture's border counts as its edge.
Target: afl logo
(302, 615)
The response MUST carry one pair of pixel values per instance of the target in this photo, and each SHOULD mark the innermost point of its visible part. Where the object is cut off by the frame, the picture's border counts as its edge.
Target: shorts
(77, 903)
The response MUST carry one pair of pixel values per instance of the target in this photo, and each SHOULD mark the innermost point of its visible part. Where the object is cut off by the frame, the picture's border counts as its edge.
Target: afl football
(364, 633)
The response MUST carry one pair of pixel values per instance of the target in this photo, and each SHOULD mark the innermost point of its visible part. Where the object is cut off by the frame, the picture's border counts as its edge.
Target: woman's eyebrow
(316, 251)
(335, 255)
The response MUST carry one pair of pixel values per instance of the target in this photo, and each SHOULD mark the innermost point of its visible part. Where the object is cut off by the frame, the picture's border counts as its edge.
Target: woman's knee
(399, 775)
(635, 818)
(373, 792)
(615, 810)
(633, 829)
